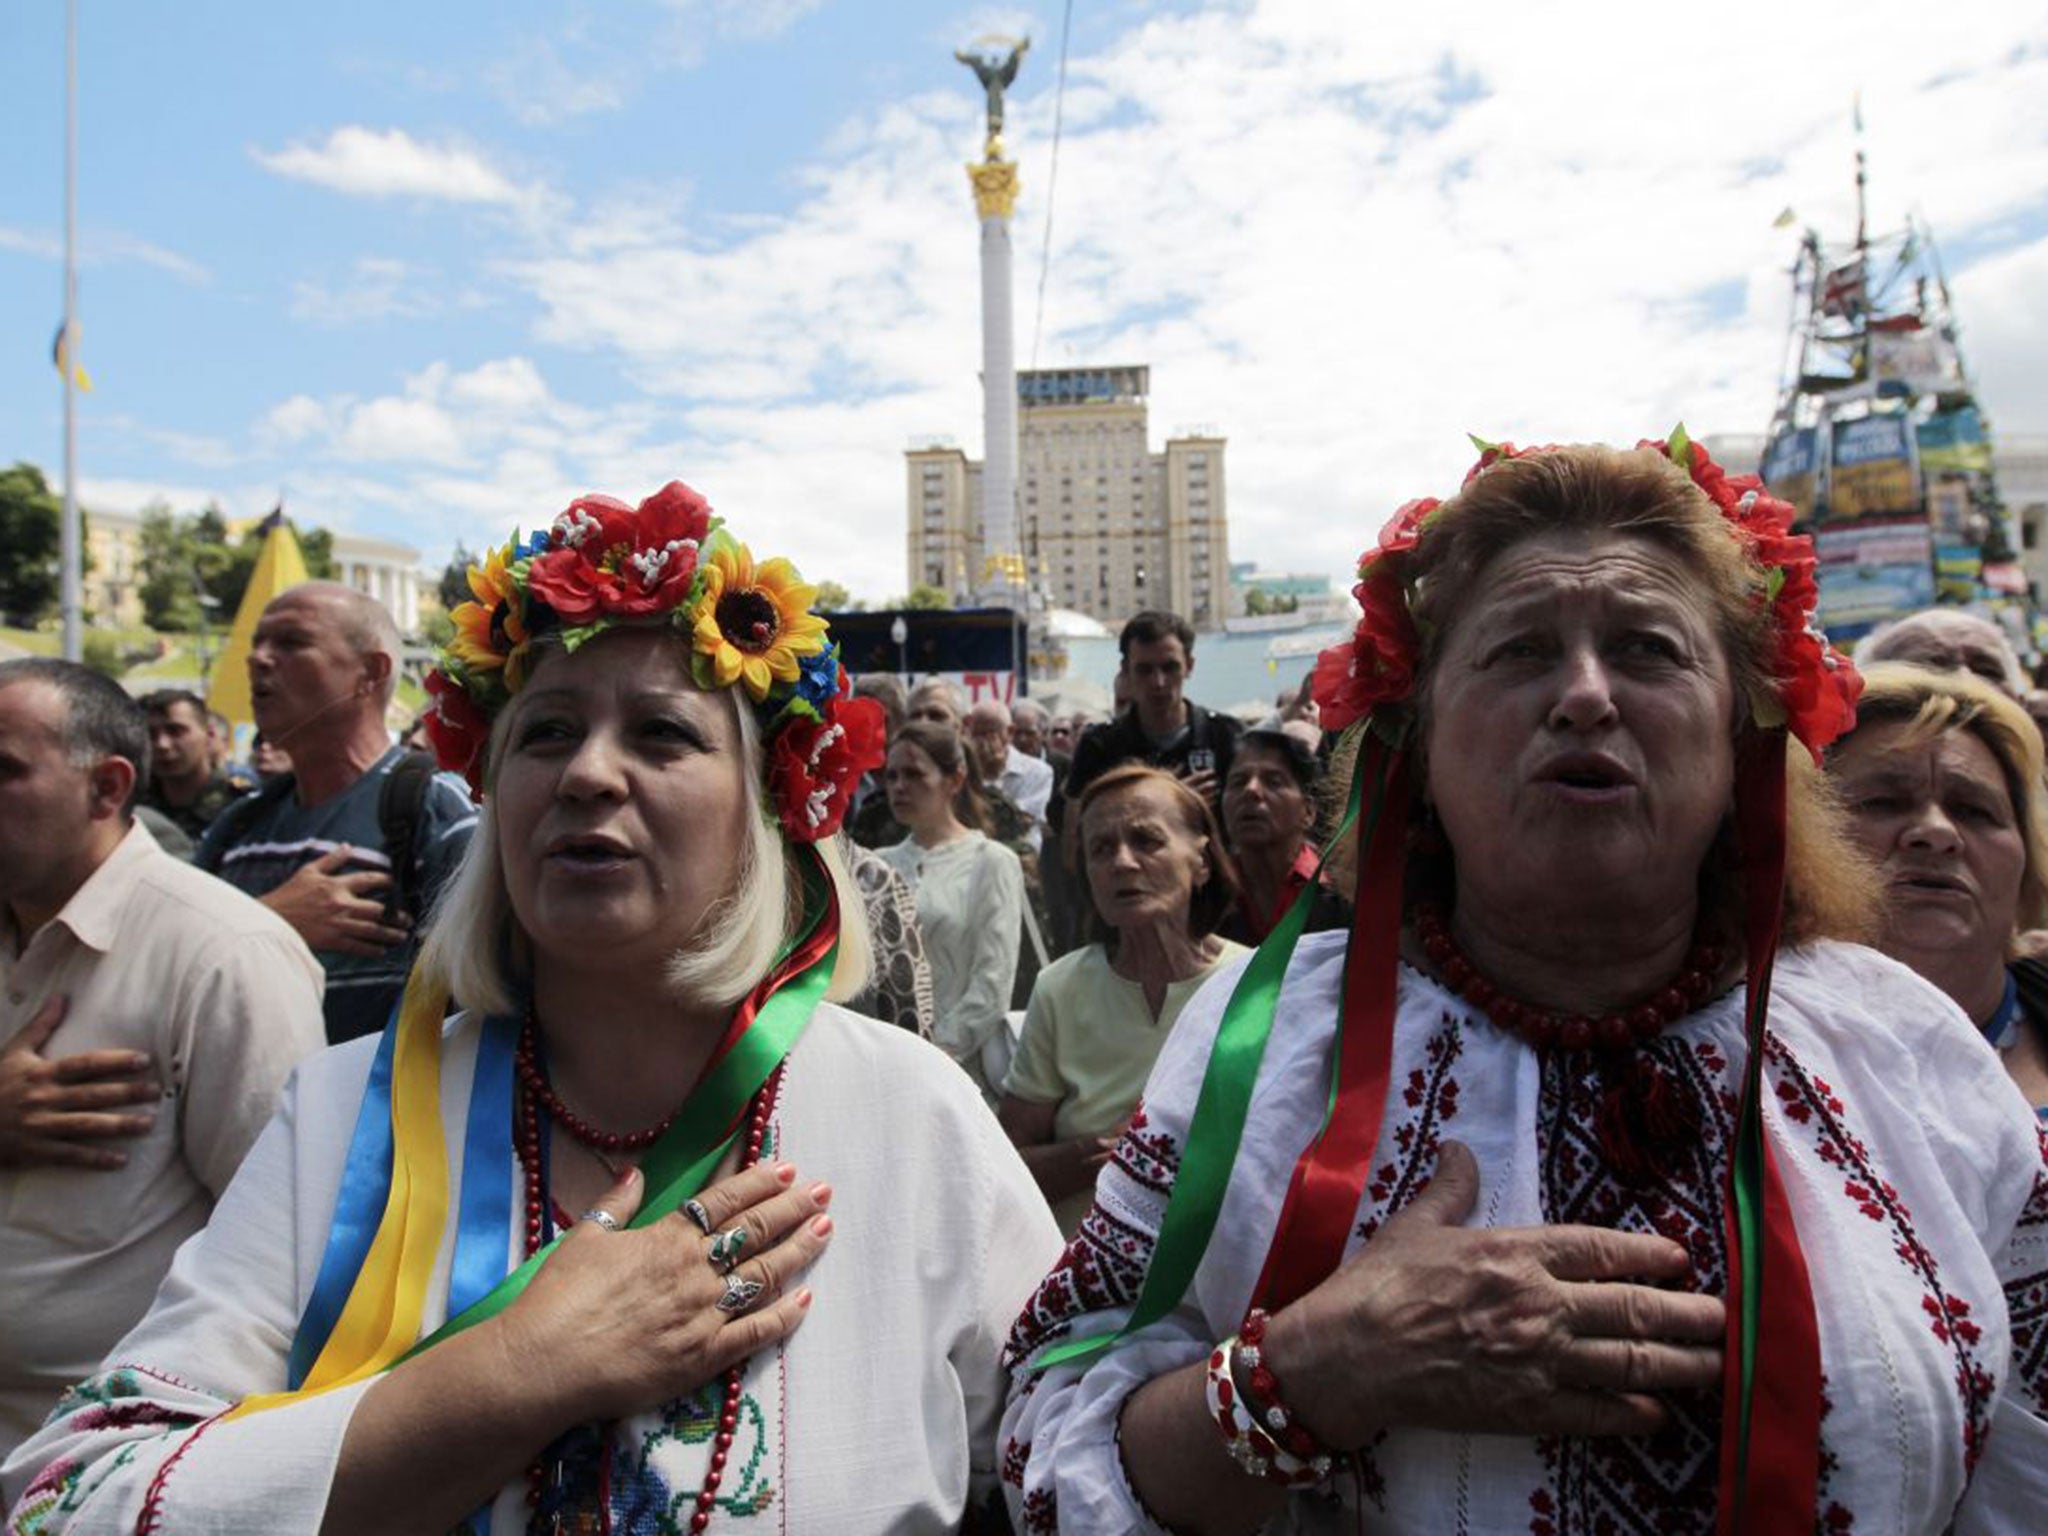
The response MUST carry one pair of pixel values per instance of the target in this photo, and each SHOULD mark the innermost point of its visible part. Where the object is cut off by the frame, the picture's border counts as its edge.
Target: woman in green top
(1159, 882)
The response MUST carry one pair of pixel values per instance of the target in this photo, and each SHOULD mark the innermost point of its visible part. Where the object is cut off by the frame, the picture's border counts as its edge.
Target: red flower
(457, 729)
(610, 559)
(1377, 664)
(814, 764)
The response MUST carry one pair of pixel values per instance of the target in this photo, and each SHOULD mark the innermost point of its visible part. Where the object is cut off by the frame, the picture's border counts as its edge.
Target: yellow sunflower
(753, 621)
(491, 632)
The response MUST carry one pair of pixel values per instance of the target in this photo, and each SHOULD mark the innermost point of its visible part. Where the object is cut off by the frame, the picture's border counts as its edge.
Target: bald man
(358, 820)
(1026, 780)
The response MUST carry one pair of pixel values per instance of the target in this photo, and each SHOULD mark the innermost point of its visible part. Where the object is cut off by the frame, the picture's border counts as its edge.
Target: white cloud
(376, 288)
(1344, 237)
(295, 420)
(399, 429)
(364, 162)
(104, 248)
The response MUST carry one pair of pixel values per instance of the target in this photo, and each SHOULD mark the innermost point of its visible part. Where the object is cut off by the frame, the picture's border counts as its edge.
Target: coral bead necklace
(538, 1105)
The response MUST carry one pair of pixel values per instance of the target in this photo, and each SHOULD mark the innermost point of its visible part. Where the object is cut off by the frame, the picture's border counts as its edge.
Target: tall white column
(1001, 580)
(999, 417)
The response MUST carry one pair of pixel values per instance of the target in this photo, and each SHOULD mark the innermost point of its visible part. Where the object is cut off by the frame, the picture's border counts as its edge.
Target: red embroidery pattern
(1664, 1482)
(1808, 1101)
(1104, 1266)
(1428, 1100)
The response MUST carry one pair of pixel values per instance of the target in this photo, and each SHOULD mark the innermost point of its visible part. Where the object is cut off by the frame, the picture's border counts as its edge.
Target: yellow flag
(61, 355)
(280, 566)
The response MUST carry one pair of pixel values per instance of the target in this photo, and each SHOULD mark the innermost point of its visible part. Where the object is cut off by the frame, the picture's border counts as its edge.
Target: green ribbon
(1217, 1129)
(705, 1129)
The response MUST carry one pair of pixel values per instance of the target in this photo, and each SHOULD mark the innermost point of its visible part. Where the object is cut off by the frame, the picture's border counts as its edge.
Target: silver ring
(739, 1294)
(601, 1217)
(694, 1209)
(725, 1249)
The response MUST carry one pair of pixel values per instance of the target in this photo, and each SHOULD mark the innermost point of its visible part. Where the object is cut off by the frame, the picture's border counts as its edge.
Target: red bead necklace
(1541, 1027)
(534, 1079)
(531, 1104)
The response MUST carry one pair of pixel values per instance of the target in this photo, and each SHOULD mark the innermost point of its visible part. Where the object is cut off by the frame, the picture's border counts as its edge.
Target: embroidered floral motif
(1430, 1098)
(1104, 1266)
(1665, 1482)
(1809, 1101)
(2026, 1295)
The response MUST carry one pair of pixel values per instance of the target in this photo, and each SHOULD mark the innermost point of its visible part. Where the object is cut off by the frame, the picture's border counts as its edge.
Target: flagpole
(69, 562)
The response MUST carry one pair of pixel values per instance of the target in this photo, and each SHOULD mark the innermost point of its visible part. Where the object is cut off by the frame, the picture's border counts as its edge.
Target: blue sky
(430, 270)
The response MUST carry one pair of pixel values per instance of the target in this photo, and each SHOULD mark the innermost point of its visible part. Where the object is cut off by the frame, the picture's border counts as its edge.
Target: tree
(834, 598)
(192, 558)
(925, 597)
(31, 522)
(1258, 602)
(170, 585)
(455, 579)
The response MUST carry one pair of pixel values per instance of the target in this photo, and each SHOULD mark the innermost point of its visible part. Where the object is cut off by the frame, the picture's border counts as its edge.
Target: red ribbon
(1768, 1486)
(1329, 1178)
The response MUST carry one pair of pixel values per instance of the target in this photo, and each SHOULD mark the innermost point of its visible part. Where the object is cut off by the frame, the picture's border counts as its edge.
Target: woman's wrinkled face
(1936, 816)
(617, 800)
(1580, 730)
(1144, 865)
(920, 793)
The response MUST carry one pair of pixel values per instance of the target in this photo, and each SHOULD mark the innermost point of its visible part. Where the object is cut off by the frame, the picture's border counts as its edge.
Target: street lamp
(900, 633)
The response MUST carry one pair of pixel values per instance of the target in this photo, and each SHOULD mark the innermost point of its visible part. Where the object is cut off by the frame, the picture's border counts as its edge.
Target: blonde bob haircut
(1636, 493)
(1931, 704)
(474, 944)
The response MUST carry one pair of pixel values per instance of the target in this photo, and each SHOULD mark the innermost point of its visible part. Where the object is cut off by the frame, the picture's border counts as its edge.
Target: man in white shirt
(126, 977)
(1026, 780)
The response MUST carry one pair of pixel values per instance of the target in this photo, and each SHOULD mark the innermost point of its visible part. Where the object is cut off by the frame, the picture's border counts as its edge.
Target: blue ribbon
(484, 1223)
(2000, 1021)
(484, 1220)
(365, 1181)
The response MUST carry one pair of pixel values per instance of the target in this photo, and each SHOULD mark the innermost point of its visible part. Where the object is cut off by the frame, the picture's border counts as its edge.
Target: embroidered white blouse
(878, 1415)
(970, 909)
(1919, 1181)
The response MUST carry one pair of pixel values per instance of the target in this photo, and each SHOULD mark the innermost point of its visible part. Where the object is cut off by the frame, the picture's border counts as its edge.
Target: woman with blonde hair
(394, 1322)
(1942, 778)
(1592, 1181)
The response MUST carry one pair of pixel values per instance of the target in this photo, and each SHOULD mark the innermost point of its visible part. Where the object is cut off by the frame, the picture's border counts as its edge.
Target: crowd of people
(1568, 1067)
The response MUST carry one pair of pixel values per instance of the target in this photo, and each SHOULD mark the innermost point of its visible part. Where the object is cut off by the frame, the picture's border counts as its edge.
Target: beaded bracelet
(1261, 1437)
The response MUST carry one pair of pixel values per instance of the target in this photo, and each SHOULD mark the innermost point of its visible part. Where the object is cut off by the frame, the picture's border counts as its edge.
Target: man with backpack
(352, 846)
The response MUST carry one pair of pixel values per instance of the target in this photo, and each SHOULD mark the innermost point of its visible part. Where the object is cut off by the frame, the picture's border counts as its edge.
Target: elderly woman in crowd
(393, 1322)
(970, 896)
(1942, 780)
(1158, 881)
(1948, 640)
(1634, 1199)
(1269, 815)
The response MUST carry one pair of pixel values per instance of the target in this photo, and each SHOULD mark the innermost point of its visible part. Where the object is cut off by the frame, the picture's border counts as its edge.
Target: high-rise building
(1106, 525)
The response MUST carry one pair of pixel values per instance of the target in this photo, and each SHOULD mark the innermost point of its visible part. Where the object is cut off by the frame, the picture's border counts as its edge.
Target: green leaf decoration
(1774, 583)
(1681, 448)
(1481, 443)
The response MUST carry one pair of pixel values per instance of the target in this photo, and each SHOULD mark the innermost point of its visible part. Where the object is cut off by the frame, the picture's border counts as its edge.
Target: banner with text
(1872, 574)
(1871, 468)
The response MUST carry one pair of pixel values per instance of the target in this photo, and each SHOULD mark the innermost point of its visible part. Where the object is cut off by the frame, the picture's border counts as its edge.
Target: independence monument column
(994, 61)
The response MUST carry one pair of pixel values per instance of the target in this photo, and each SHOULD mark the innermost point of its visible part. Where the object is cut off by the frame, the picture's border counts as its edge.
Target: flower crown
(1815, 686)
(602, 564)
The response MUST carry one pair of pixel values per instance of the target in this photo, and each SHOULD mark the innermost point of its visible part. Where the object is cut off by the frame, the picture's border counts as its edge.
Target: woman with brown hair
(1942, 778)
(970, 896)
(1158, 881)
(1596, 1183)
